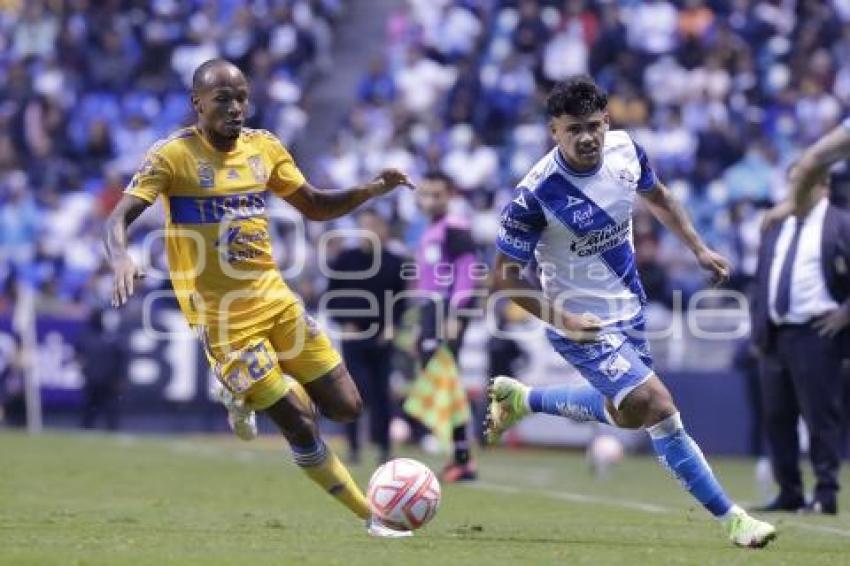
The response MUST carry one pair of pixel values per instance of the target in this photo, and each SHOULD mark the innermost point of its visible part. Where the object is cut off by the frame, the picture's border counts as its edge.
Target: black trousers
(369, 363)
(102, 399)
(803, 377)
(431, 336)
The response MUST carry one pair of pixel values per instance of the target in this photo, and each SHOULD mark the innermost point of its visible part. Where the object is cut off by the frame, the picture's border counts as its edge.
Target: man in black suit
(801, 327)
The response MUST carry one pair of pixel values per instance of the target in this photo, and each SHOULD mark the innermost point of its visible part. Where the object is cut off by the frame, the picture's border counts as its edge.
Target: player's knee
(660, 407)
(645, 406)
(297, 423)
(347, 408)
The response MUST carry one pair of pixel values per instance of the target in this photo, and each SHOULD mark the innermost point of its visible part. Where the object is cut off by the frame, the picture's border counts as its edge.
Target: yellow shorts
(255, 363)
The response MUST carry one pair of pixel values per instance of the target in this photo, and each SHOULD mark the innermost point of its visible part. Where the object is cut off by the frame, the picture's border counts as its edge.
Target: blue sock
(681, 455)
(577, 402)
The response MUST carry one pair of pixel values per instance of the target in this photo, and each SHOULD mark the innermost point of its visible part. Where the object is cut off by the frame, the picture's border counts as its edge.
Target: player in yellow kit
(215, 179)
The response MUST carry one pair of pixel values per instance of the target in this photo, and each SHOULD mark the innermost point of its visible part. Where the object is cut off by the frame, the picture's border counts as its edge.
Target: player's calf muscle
(295, 421)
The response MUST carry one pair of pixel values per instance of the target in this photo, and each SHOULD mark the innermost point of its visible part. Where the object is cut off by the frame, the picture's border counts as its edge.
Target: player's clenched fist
(388, 179)
(125, 272)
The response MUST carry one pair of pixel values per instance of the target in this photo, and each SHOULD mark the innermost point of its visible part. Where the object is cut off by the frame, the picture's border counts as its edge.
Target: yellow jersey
(217, 229)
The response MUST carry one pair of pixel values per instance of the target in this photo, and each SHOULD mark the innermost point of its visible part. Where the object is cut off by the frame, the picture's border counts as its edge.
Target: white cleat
(376, 528)
(749, 532)
(242, 420)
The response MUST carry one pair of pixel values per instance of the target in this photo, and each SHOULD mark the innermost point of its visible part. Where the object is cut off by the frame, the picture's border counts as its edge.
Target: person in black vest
(800, 320)
(367, 345)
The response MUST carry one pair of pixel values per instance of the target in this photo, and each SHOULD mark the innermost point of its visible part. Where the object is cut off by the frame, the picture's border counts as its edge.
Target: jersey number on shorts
(256, 362)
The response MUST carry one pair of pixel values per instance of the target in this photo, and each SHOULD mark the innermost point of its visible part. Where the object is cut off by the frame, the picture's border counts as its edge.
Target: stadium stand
(722, 93)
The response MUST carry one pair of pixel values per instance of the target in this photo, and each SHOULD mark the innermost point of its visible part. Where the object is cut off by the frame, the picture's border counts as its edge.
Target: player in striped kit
(572, 213)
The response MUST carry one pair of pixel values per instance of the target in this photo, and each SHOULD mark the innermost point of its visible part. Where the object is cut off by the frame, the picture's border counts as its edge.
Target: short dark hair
(438, 175)
(576, 96)
(199, 77)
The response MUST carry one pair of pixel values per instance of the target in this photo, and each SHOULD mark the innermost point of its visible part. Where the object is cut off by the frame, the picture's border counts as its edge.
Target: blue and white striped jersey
(578, 226)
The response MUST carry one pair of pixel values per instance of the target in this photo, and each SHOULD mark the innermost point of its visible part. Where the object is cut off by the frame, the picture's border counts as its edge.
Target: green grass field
(71, 499)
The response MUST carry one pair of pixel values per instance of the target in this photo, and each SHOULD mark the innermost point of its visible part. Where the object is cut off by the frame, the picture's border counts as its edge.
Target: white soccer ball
(404, 494)
(604, 452)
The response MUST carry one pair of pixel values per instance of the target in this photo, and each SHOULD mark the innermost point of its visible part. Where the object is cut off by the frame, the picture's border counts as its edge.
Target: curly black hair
(576, 96)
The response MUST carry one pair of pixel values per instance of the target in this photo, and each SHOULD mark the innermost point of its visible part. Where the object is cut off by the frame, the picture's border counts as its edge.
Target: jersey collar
(562, 163)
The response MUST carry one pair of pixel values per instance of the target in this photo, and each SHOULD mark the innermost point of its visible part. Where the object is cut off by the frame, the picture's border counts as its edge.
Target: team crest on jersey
(146, 168)
(627, 176)
(258, 169)
(615, 367)
(206, 175)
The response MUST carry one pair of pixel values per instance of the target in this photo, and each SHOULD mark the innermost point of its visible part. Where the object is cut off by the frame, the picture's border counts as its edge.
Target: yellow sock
(324, 468)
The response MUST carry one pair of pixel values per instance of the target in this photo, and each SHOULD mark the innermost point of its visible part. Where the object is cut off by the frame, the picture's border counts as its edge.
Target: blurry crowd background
(87, 86)
(723, 94)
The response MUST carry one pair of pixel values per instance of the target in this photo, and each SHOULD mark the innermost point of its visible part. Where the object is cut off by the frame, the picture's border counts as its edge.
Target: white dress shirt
(809, 296)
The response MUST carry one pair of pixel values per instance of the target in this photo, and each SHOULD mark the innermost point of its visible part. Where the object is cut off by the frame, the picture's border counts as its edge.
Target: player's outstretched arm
(316, 204)
(803, 176)
(124, 269)
(664, 206)
(815, 161)
(508, 278)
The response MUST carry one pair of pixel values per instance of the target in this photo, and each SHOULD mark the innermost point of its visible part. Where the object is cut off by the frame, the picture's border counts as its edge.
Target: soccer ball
(404, 494)
(604, 452)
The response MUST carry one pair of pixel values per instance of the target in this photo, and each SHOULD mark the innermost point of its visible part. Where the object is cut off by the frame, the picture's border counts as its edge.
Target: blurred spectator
(421, 81)
(530, 33)
(103, 357)
(377, 86)
(652, 26)
(470, 164)
(12, 387)
(19, 221)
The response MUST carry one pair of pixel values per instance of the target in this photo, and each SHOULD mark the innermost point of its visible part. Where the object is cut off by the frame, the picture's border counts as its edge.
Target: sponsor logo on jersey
(598, 241)
(583, 217)
(235, 245)
(513, 241)
(507, 222)
(627, 176)
(232, 173)
(206, 175)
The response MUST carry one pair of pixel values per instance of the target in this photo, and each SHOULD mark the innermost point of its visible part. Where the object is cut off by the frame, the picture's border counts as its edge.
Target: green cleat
(750, 532)
(507, 406)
